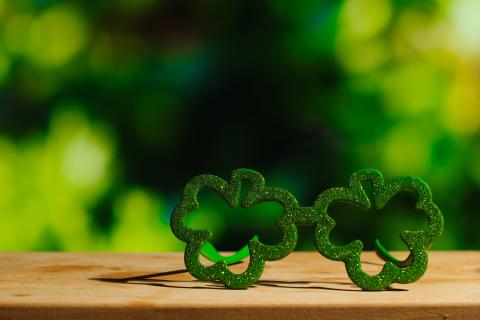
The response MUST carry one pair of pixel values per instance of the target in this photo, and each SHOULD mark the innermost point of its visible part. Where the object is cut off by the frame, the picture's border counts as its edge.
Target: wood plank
(156, 286)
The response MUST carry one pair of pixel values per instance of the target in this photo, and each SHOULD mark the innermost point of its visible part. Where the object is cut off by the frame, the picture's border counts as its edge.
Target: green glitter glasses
(393, 271)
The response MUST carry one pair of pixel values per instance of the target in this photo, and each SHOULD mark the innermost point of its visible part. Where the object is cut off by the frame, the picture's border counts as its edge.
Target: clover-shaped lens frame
(417, 241)
(230, 192)
(393, 271)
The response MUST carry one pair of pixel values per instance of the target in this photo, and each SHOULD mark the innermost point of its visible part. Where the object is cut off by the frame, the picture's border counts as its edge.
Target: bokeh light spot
(369, 56)
(406, 151)
(461, 113)
(412, 89)
(464, 16)
(418, 31)
(16, 33)
(84, 162)
(138, 225)
(56, 36)
(3, 8)
(364, 19)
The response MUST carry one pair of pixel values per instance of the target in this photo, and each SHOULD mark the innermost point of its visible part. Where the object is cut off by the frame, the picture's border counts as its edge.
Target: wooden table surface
(156, 286)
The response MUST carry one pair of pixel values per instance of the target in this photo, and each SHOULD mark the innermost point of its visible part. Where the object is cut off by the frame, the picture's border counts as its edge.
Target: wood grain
(156, 286)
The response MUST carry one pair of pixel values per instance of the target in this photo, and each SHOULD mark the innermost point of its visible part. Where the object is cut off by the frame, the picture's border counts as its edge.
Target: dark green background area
(107, 109)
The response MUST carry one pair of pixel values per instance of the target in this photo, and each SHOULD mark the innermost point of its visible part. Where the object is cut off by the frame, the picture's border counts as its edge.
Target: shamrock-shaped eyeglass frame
(393, 271)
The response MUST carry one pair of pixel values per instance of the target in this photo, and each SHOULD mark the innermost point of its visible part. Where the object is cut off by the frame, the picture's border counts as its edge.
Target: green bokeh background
(108, 108)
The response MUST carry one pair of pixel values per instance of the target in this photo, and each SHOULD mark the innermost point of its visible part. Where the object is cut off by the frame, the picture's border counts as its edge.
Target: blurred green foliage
(108, 108)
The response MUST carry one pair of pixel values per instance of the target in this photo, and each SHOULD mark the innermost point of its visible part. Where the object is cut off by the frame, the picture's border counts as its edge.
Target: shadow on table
(155, 279)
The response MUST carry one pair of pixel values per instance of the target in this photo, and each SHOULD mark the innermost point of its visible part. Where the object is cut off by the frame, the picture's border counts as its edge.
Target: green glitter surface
(417, 241)
(393, 271)
(230, 192)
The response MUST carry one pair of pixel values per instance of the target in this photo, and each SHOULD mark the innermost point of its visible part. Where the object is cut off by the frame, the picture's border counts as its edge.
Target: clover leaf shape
(230, 192)
(417, 241)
